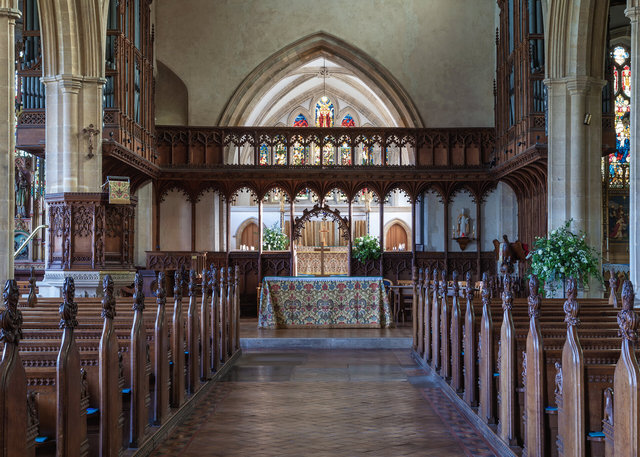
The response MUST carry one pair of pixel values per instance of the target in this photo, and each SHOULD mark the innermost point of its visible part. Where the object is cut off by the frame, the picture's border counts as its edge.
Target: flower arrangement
(273, 239)
(366, 247)
(564, 254)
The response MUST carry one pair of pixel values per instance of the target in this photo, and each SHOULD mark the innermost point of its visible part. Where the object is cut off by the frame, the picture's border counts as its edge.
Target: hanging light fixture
(324, 73)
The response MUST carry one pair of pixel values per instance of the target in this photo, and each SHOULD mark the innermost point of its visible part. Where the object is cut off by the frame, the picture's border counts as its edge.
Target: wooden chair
(405, 299)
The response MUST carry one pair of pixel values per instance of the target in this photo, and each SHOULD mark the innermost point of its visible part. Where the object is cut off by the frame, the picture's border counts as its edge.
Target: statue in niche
(22, 186)
(463, 225)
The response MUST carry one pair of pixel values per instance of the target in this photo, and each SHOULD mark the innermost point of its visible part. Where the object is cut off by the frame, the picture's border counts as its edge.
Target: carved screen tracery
(325, 213)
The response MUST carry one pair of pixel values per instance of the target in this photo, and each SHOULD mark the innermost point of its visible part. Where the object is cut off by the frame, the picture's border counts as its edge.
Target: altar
(332, 302)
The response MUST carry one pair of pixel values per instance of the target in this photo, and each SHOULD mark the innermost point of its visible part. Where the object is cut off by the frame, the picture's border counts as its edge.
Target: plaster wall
(433, 229)
(499, 216)
(440, 51)
(206, 228)
(175, 232)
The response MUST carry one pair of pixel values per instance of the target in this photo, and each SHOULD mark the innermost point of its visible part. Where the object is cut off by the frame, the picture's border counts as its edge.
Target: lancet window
(619, 160)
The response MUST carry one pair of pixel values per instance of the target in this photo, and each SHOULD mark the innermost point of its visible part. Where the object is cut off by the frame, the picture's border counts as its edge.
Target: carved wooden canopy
(324, 212)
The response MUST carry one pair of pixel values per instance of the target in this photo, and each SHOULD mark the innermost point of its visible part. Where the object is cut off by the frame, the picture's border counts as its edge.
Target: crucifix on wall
(90, 131)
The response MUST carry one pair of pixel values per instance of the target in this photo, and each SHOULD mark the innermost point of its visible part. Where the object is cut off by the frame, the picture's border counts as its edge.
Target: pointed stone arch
(320, 44)
(73, 37)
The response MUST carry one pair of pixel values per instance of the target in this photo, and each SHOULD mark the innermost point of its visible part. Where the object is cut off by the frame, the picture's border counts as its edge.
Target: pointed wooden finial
(177, 286)
(138, 294)
(161, 293)
(192, 283)
(534, 299)
(108, 301)
(11, 317)
(507, 293)
(571, 306)
(627, 318)
(68, 308)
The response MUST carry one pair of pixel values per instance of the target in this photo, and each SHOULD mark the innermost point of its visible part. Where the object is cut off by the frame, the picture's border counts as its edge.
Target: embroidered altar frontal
(333, 302)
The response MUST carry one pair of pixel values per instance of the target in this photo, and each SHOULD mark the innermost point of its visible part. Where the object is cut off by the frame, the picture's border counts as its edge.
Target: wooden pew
(590, 370)
(470, 349)
(139, 422)
(456, 337)
(13, 384)
(103, 343)
(71, 437)
(111, 419)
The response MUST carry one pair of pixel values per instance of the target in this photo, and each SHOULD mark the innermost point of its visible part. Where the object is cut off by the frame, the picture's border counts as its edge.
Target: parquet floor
(330, 403)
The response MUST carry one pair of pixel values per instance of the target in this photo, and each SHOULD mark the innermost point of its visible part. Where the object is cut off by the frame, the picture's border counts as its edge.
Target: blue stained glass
(300, 121)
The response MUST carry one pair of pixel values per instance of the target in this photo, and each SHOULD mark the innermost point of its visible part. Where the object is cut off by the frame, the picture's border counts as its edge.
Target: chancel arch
(361, 74)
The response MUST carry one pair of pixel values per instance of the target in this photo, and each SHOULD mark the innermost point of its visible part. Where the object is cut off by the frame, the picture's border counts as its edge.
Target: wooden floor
(333, 403)
(249, 329)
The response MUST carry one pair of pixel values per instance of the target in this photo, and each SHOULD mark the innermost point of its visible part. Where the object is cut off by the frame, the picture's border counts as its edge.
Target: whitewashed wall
(433, 227)
(500, 216)
(462, 201)
(206, 216)
(175, 231)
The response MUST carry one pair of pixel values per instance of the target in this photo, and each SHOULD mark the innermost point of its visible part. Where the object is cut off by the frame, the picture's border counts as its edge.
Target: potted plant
(273, 239)
(366, 248)
(563, 254)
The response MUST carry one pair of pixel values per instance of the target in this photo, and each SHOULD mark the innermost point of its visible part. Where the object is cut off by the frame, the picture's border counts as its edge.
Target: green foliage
(366, 247)
(273, 239)
(564, 254)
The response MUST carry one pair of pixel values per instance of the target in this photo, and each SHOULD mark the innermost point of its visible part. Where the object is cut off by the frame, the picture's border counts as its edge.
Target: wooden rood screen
(553, 375)
(82, 368)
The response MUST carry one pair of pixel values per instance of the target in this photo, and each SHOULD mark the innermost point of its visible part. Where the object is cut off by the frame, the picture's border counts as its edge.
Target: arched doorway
(249, 236)
(396, 238)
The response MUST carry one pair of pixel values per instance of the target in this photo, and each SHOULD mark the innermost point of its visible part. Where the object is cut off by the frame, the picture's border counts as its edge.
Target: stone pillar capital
(72, 83)
(582, 85)
(11, 13)
(576, 85)
(633, 11)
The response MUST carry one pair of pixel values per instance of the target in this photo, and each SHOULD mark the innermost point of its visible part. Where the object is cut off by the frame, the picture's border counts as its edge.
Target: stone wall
(212, 45)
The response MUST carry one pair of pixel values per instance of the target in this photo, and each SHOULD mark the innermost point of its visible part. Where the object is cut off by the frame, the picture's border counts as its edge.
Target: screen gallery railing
(179, 146)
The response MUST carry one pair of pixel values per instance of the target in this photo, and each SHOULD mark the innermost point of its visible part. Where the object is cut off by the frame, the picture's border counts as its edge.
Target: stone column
(73, 103)
(633, 13)
(575, 151)
(9, 12)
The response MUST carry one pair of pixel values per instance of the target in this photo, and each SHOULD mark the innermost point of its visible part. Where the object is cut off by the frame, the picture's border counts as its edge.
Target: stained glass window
(264, 154)
(324, 112)
(345, 149)
(328, 154)
(348, 121)
(279, 154)
(300, 121)
(619, 160)
(299, 154)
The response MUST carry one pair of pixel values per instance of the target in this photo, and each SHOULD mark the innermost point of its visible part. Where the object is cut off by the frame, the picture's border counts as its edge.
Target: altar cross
(322, 249)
